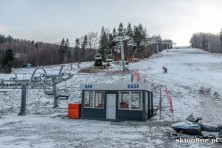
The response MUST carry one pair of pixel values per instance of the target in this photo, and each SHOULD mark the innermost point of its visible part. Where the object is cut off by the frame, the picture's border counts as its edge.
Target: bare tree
(206, 41)
(92, 39)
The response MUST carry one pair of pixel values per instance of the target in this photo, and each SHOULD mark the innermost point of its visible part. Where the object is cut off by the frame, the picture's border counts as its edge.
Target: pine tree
(114, 32)
(111, 43)
(103, 43)
(2, 39)
(143, 31)
(77, 43)
(137, 35)
(8, 56)
(84, 43)
(140, 34)
(120, 29)
(129, 31)
(62, 50)
(66, 44)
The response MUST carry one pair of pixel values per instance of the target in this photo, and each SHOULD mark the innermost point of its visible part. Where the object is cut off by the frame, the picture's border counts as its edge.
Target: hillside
(39, 53)
(193, 78)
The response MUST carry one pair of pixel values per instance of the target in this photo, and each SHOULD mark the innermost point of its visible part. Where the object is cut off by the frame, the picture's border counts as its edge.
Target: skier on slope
(164, 69)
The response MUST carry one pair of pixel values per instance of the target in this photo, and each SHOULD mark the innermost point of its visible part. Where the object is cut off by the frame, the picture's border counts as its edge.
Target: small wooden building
(116, 101)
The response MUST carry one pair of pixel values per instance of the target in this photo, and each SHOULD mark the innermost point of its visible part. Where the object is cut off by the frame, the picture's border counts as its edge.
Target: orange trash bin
(74, 111)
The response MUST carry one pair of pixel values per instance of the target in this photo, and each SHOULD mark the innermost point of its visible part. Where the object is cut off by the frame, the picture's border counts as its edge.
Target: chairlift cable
(97, 51)
(93, 53)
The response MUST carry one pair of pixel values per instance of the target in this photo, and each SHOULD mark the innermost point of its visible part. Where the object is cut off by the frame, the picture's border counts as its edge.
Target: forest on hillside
(207, 41)
(20, 52)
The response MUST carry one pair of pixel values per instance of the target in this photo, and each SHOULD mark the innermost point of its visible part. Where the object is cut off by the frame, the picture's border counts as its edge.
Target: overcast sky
(51, 20)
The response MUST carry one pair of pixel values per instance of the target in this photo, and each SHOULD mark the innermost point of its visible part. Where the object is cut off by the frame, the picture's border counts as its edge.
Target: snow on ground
(42, 132)
(193, 78)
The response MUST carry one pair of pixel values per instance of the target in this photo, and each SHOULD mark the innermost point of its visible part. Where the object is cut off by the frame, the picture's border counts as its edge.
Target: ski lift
(48, 91)
(153, 41)
(142, 43)
(98, 57)
(119, 45)
(110, 57)
(131, 43)
(63, 94)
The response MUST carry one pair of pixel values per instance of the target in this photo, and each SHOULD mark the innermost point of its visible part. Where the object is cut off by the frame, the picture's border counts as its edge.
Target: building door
(111, 106)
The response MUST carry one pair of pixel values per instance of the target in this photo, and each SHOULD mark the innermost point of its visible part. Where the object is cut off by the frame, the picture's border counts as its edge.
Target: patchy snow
(193, 78)
(37, 131)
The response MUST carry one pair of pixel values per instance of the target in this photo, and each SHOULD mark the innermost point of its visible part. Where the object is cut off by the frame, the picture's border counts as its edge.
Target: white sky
(51, 20)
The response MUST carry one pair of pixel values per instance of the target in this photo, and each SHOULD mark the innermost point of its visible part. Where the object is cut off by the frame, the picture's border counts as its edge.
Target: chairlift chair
(98, 60)
(110, 58)
(62, 97)
(118, 50)
(131, 43)
(48, 91)
(97, 56)
(119, 45)
(153, 41)
(63, 94)
(142, 43)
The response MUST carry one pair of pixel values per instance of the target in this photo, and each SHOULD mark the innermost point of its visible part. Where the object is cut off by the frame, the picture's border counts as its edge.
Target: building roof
(114, 86)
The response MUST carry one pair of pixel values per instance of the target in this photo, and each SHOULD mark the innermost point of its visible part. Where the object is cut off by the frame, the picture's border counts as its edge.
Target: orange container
(74, 111)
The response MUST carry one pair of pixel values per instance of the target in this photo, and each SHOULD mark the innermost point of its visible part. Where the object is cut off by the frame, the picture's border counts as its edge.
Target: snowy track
(43, 132)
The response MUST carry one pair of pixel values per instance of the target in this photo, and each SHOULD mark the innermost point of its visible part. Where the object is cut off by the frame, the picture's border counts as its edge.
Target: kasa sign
(133, 85)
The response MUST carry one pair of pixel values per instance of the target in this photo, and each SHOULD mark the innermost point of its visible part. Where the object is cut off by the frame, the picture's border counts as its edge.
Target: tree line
(19, 52)
(207, 41)
(137, 33)
(38, 53)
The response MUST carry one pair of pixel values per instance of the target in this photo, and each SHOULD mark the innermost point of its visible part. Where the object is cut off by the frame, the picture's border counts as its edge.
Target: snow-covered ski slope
(194, 80)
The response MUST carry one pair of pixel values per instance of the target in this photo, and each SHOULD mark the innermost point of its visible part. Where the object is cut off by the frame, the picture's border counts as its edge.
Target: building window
(99, 100)
(136, 100)
(130, 100)
(94, 99)
(88, 99)
(124, 100)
